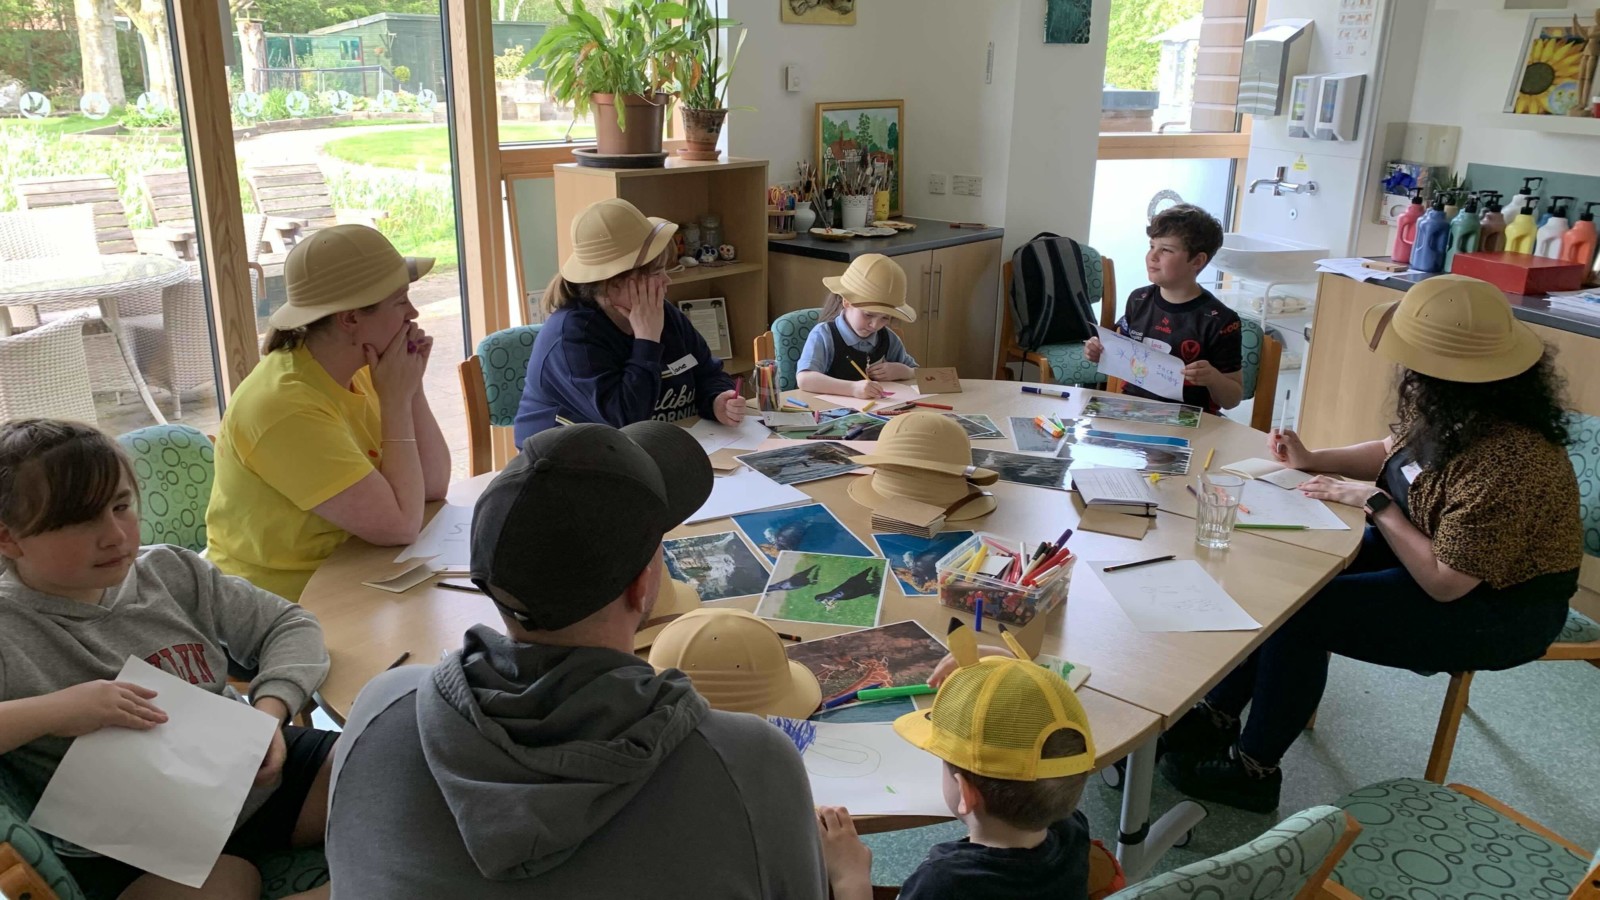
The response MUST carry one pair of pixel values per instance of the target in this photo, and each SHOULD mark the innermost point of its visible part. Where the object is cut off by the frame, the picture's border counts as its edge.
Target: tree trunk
(150, 20)
(252, 53)
(97, 41)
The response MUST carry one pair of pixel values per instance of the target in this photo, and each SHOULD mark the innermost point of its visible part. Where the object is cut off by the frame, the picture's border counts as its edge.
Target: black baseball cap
(579, 514)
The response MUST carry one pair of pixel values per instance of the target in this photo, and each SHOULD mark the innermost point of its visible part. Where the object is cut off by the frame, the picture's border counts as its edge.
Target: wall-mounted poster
(864, 133)
(1549, 75)
(818, 12)
(1067, 21)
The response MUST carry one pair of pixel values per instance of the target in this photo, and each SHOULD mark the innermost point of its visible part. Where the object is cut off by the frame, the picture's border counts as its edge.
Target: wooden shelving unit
(683, 191)
(1546, 124)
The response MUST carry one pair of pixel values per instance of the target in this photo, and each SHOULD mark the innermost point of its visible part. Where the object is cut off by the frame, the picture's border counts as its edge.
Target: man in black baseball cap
(551, 761)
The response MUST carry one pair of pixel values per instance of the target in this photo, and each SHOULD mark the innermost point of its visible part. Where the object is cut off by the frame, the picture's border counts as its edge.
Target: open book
(1115, 490)
(1267, 470)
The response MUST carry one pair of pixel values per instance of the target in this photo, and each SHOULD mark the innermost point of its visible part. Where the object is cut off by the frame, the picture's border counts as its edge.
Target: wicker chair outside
(43, 373)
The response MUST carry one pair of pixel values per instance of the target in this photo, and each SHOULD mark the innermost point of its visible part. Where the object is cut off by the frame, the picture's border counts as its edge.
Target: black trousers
(1376, 612)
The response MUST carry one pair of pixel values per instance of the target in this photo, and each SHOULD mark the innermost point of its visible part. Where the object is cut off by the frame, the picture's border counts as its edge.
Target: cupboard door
(919, 286)
(965, 308)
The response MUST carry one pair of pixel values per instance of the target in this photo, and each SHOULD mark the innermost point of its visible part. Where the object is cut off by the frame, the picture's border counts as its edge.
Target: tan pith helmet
(1454, 328)
(341, 268)
(611, 237)
(926, 457)
(874, 283)
(737, 662)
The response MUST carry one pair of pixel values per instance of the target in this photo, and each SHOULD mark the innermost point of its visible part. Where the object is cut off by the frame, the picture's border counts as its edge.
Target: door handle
(938, 290)
(927, 291)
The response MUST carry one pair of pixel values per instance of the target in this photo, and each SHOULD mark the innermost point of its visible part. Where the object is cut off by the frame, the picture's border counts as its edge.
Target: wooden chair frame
(475, 397)
(1012, 352)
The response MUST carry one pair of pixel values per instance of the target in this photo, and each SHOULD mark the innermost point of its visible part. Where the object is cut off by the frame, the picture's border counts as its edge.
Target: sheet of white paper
(1272, 505)
(1118, 486)
(868, 768)
(746, 490)
(1176, 595)
(1268, 470)
(710, 321)
(749, 434)
(447, 537)
(1352, 267)
(901, 391)
(164, 800)
(1140, 364)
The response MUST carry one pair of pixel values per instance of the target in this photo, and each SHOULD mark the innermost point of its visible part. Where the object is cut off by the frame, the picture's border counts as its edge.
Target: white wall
(929, 53)
(1466, 66)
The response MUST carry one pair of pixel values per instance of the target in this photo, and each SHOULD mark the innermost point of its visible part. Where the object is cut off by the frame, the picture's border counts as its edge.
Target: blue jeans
(1376, 612)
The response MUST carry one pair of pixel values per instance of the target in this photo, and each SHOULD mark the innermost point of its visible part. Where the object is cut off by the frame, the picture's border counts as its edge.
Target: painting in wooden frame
(848, 130)
(817, 12)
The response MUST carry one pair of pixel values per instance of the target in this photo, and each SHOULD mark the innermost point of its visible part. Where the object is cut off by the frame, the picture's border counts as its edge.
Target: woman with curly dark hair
(1471, 555)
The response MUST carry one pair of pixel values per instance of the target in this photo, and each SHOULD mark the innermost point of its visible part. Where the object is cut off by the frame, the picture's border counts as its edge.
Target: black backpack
(1049, 301)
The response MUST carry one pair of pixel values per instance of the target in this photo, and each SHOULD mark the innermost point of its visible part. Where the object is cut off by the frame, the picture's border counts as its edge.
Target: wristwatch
(1377, 503)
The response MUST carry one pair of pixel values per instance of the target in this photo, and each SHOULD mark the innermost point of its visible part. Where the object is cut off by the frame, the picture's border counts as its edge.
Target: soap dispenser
(1578, 245)
(1406, 233)
(1464, 230)
(1523, 231)
(1432, 239)
(1521, 198)
(1492, 227)
(1452, 204)
(1548, 242)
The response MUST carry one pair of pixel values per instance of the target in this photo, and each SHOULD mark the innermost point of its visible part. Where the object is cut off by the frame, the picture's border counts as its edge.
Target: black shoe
(1223, 779)
(1196, 734)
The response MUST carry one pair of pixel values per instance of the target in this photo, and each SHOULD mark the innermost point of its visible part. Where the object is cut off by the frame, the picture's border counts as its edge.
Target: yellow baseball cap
(992, 717)
(340, 268)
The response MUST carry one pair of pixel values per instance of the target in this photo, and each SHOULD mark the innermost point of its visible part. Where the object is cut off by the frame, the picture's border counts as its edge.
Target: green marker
(891, 693)
(1271, 527)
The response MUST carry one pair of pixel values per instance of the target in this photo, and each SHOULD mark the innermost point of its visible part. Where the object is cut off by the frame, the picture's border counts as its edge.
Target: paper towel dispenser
(1271, 58)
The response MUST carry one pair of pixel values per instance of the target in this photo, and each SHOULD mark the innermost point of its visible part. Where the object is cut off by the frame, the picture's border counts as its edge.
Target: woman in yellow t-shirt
(331, 434)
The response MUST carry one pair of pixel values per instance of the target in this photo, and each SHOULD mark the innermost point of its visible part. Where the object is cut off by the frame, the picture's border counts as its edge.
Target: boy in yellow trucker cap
(1017, 750)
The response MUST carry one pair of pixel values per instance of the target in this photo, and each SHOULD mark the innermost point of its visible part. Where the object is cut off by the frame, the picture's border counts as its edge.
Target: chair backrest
(492, 381)
(789, 333)
(1585, 454)
(168, 198)
(62, 231)
(175, 465)
(1291, 860)
(96, 190)
(16, 805)
(293, 191)
(44, 372)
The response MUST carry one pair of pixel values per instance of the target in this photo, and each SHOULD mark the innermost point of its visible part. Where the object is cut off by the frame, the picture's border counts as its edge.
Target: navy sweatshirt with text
(586, 369)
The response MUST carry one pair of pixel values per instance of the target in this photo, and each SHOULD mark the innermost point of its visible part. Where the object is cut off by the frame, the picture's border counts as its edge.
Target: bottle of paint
(1548, 241)
(1463, 232)
(1578, 245)
(1492, 227)
(1406, 233)
(1433, 238)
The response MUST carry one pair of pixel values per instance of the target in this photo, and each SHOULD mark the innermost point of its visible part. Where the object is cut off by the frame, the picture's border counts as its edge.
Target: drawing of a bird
(861, 584)
(800, 579)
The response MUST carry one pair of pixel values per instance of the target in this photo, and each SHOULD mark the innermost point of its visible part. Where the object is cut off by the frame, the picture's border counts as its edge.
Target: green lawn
(58, 124)
(430, 147)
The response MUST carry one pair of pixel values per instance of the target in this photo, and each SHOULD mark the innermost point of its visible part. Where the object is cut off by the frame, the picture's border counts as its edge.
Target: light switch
(791, 78)
(936, 183)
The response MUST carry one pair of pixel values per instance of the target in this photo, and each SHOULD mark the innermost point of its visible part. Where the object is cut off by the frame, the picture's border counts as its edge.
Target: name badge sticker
(681, 366)
(1410, 471)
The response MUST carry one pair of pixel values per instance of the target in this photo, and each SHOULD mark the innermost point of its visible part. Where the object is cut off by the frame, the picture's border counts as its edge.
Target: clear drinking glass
(1218, 507)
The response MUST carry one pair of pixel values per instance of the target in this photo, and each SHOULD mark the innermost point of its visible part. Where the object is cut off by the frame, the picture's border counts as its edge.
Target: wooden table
(1141, 681)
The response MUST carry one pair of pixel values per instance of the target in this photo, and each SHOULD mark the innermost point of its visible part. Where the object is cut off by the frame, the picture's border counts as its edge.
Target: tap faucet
(1281, 187)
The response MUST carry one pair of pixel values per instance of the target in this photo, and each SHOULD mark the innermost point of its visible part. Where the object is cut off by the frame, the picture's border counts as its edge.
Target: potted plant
(704, 90)
(618, 66)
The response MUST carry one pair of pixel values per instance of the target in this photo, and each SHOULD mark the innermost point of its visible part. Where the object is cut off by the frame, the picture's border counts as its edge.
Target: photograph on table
(1017, 468)
(1149, 412)
(1109, 453)
(811, 529)
(891, 656)
(825, 589)
(844, 428)
(717, 566)
(803, 462)
(1028, 437)
(977, 425)
(914, 559)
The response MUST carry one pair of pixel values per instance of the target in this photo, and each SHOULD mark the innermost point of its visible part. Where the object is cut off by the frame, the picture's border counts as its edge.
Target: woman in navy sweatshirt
(613, 350)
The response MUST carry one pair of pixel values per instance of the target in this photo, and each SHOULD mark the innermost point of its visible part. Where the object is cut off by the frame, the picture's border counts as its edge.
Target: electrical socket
(936, 183)
(791, 78)
(967, 185)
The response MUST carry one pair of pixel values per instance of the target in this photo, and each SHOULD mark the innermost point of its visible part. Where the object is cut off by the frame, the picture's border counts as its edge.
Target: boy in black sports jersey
(1177, 315)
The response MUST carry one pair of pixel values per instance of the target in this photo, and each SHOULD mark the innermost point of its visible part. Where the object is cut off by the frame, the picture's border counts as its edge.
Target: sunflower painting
(1547, 79)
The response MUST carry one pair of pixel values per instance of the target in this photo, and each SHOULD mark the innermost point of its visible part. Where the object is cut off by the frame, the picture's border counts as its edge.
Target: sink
(1269, 260)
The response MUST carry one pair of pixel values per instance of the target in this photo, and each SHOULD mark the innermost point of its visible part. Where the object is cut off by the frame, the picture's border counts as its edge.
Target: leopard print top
(1505, 511)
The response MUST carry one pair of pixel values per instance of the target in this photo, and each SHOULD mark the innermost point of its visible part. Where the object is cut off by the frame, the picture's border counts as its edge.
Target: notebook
(1115, 490)
(1269, 471)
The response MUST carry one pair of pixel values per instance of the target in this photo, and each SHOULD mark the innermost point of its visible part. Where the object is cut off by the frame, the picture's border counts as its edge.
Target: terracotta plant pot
(701, 130)
(645, 117)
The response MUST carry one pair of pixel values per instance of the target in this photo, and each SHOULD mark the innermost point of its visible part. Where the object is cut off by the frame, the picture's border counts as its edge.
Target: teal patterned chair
(784, 343)
(1420, 839)
(1291, 860)
(1060, 363)
(282, 873)
(1580, 636)
(491, 387)
(175, 466)
(1260, 353)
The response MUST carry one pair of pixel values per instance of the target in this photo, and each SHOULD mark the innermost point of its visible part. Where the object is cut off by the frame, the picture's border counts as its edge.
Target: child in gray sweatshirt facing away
(78, 596)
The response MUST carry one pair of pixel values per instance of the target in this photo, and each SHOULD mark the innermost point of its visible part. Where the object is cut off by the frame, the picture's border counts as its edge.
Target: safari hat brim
(862, 492)
(971, 473)
(675, 599)
(1443, 351)
(610, 261)
(903, 312)
(803, 695)
(341, 268)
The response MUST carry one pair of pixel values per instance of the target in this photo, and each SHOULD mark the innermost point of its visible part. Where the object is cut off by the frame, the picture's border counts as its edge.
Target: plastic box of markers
(1003, 601)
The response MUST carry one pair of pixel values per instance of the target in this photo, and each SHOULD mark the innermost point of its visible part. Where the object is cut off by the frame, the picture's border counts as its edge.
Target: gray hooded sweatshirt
(519, 770)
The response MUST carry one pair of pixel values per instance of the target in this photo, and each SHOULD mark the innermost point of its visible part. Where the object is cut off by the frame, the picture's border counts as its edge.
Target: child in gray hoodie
(78, 596)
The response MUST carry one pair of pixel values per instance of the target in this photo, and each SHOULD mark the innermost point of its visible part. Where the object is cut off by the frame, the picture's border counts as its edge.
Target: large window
(1172, 66)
